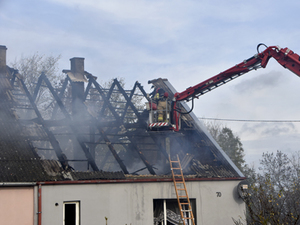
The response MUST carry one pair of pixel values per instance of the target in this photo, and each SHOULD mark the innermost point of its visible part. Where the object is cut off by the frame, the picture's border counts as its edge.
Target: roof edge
(135, 180)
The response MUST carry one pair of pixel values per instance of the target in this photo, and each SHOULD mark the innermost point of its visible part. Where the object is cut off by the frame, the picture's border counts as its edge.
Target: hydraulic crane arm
(284, 56)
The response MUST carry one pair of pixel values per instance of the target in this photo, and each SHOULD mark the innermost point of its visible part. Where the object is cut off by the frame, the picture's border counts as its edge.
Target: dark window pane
(70, 214)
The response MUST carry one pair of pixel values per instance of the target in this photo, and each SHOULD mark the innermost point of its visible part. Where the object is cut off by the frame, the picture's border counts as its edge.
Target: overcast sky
(184, 41)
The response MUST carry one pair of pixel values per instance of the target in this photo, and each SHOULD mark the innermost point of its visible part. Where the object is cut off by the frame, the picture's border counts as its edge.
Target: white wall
(132, 203)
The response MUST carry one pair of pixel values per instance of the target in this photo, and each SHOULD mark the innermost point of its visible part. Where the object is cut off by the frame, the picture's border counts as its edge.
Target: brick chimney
(77, 77)
(77, 81)
(2, 58)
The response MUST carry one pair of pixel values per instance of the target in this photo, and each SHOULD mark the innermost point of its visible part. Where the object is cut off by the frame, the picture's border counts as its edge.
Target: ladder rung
(186, 210)
(188, 218)
(180, 189)
(182, 196)
(184, 203)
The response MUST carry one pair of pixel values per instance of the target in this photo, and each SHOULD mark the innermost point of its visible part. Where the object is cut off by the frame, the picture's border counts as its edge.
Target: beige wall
(16, 205)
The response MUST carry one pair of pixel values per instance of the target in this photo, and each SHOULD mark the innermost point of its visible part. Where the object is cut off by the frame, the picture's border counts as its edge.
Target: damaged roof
(108, 138)
(209, 158)
(19, 161)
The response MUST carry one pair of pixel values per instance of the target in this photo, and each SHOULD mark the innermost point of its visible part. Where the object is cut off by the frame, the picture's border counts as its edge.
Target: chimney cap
(3, 47)
(77, 58)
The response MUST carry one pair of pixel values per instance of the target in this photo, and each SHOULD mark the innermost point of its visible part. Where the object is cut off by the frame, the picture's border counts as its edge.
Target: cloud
(259, 83)
(277, 130)
(254, 149)
(254, 130)
(155, 13)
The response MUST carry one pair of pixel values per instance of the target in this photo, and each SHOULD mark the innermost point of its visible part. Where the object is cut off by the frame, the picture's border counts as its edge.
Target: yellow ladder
(181, 193)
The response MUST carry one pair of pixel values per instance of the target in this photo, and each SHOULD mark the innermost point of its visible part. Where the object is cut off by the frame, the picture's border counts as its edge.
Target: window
(71, 213)
(166, 212)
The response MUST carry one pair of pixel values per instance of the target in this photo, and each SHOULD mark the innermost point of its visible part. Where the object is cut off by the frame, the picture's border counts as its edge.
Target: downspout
(165, 212)
(39, 204)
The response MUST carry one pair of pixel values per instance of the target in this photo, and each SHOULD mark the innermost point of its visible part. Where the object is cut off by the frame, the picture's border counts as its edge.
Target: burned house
(90, 158)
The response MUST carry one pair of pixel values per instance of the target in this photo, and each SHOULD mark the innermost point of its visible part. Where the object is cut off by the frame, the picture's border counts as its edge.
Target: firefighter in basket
(160, 98)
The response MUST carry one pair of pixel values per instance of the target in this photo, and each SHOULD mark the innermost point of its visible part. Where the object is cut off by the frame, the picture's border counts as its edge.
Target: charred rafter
(68, 122)
(59, 153)
(61, 94)
(108, 104)
(80, 140)
(140, 119)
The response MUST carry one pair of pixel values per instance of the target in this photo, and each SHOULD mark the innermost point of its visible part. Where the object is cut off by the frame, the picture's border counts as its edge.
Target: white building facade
(134, 202)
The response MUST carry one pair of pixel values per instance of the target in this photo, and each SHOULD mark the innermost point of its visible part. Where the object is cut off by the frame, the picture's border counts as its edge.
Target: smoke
(258, 84)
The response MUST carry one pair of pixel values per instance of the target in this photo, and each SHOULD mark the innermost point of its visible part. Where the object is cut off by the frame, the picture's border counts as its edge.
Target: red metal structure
(284, 56)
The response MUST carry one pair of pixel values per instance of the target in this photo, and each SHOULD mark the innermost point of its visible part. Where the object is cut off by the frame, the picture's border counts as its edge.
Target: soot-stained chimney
(77, 78)
(2, 58)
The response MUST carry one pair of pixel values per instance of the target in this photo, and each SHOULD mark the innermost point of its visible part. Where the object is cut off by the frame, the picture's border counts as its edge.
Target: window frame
(166, 201)
(77, 211)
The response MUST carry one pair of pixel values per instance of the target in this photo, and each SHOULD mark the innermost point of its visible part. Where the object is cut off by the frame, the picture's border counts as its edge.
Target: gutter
(135, 180)
(17, 184)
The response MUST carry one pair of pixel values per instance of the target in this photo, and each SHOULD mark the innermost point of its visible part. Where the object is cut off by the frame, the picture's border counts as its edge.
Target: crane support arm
(284, 56)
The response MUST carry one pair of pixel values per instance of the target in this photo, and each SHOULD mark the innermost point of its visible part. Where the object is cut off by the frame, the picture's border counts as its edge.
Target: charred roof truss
(107, 129)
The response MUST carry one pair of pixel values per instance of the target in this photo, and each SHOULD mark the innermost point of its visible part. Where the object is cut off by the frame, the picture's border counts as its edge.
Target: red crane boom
(284, 56)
